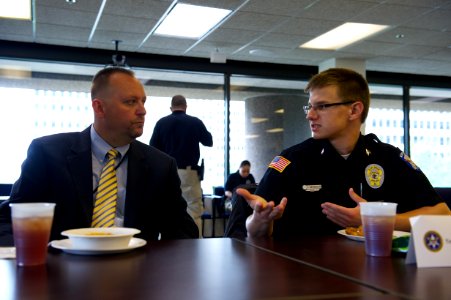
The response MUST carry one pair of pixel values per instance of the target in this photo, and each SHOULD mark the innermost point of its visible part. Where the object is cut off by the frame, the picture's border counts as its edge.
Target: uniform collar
(359, 149)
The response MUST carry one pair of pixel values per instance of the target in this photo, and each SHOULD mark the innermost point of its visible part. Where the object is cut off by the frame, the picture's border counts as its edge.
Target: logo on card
(433, 241)
(374, 175)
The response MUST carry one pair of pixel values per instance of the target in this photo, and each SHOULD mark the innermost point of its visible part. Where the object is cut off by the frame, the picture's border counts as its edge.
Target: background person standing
(179, 135)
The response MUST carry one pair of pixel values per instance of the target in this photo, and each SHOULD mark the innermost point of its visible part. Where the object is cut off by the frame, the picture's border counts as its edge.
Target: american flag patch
(279, 163)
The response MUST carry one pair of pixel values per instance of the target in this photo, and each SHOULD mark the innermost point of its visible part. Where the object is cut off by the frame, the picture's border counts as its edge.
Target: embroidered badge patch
(311, 187)
(408, 161)
(279, 163)
(433, 241)
(374, 175)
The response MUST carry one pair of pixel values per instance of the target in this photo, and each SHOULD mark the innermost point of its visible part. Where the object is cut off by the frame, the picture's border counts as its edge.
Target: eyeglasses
(321, 107)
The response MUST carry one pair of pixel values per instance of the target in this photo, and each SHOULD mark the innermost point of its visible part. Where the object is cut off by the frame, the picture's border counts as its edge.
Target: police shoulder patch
(408, 161)
(279, 163)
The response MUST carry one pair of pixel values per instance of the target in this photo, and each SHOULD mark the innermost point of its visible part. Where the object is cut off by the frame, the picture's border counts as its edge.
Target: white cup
(378, 220)
(32, 223)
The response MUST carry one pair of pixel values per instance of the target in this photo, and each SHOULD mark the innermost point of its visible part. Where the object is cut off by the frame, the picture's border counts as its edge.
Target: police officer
(179, 135)
(318, 183)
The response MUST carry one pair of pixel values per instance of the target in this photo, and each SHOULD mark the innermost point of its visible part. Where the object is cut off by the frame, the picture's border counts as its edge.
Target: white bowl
(105, 238)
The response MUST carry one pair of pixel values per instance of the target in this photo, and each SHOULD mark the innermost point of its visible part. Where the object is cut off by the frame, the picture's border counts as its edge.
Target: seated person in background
(65, 168)
(242, 176)
(315, 187)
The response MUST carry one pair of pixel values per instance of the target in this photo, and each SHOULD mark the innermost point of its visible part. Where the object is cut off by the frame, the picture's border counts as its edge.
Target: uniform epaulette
(371, 137)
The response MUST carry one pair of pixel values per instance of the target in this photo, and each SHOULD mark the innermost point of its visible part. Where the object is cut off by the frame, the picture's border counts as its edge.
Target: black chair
(5, 191)
(217, 212)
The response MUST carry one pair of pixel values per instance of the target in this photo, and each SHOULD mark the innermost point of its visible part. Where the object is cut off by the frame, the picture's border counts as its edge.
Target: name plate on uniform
(430, 241)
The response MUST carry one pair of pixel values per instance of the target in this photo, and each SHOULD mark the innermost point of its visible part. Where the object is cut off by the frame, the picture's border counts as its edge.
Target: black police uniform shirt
(313, 172)
(235, 180)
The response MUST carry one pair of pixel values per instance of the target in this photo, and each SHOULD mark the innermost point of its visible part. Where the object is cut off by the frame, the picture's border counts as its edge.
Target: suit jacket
(58, 169)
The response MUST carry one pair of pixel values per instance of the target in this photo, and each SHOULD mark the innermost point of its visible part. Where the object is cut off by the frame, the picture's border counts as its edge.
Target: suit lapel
(80, 167)
(137, 168)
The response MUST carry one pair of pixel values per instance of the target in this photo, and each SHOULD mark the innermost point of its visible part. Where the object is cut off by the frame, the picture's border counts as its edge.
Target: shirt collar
(100, 147)
(327, 147)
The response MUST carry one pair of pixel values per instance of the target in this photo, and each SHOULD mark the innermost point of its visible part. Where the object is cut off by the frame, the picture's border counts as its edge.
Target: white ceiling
(271, 30)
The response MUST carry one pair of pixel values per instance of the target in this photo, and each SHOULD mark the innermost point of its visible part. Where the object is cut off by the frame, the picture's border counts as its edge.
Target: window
(386, 110)
(429, 149)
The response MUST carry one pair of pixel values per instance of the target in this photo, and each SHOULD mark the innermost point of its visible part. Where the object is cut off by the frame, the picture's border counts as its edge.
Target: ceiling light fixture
(258, 120)
(274, 130)
(261, 52)
(343, 36)
(191, 21)
(15, 9)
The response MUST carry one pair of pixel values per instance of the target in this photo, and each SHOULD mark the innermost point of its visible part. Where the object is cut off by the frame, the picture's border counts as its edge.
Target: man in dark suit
(65, 169)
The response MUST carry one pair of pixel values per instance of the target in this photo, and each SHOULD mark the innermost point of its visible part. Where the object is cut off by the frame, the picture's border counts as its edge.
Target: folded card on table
(430, 241)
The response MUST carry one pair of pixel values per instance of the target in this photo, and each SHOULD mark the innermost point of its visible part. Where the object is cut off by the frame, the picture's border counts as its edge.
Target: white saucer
(66, 246)
(396, 234)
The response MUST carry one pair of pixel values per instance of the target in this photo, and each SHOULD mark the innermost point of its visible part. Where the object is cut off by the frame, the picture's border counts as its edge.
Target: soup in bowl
(108, 238)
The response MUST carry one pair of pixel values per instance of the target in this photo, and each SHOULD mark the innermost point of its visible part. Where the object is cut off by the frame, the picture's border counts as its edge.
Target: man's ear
(356, 110)
(97, 106)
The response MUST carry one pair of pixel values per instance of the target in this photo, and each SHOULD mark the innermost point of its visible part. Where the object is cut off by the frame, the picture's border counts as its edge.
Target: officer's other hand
(343, 216)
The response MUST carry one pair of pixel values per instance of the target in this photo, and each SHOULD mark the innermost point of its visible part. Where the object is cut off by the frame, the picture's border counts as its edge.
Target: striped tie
(105, 202)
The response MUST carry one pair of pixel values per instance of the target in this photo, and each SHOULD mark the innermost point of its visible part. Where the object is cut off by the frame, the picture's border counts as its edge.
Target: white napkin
(7, 252)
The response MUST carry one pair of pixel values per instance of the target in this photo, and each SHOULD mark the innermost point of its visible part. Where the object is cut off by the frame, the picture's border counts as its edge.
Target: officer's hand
(263, 210)
(343, 216)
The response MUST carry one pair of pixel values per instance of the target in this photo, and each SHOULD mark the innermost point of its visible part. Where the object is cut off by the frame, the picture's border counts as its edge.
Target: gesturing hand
(263, 211)
(344, 216)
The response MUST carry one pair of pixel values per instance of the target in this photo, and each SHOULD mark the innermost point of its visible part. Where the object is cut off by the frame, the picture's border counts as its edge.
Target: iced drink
(378, 219)
(31, 228)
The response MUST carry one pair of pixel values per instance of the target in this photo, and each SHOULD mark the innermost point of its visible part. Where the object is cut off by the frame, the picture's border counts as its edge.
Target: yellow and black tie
(106, 197)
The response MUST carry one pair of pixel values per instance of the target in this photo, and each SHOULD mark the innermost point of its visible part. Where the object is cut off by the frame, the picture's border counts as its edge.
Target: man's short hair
(178, 101)
(245, 163)
(352, 86)
(100, 80)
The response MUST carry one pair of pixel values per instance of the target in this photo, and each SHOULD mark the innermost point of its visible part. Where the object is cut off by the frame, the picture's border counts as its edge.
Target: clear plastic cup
(32, 223)
(378, 220)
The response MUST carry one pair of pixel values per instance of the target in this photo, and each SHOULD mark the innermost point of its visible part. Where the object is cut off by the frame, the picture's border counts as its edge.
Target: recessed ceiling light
(261, 52)
(252, 136)
(15, 9)
(258, 120)
(279, 111)
(274, 130)
(191, 21)
(343, 35)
